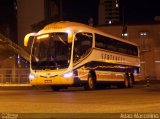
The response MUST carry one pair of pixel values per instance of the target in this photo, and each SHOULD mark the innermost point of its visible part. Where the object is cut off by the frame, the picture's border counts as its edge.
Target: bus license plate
(48, 81)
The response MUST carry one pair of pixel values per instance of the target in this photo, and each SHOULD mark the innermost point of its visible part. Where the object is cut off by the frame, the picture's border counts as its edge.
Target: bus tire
(91, 82)
(126, 81)
(131, 80)
(55, 88)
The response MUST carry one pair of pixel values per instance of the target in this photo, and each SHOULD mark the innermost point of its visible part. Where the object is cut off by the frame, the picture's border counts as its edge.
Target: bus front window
(51, 51)
(82, 45)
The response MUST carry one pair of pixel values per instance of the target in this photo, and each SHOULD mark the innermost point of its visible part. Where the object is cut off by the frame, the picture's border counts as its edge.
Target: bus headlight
(68, 75)
(31, 76)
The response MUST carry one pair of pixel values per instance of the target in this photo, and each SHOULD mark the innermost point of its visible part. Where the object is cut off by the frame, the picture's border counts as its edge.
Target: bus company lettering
(112, 57)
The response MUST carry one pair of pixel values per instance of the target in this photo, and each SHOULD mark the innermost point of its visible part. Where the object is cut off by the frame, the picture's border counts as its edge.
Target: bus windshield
(51, 51)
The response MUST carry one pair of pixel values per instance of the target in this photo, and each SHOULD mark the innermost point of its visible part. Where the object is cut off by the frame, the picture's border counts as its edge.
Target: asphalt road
(139, 99)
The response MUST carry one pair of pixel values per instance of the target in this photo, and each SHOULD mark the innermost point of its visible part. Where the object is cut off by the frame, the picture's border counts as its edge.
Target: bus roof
(75, 26)
(64, 25)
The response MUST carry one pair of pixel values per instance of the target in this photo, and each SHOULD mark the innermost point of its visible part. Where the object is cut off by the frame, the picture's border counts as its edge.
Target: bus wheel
(91, 83)
(131, 80)
(126, 81)
(55, 88)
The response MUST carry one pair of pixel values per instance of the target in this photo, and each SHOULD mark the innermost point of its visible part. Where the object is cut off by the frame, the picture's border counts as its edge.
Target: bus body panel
(58, 80)
(109, 66)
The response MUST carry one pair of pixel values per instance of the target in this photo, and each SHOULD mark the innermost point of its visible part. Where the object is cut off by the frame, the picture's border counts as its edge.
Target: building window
(144, 41)
(143, 33)
(110, 22)
(117, 5)
(124, 35)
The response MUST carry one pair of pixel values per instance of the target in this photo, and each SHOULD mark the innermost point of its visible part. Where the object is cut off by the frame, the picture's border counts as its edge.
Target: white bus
(73, 54)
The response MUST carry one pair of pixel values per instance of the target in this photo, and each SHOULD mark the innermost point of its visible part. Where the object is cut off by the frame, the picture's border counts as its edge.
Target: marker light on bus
(68, 75)
(69, 35)
(43, 36)
(31, 76)
(68, 31)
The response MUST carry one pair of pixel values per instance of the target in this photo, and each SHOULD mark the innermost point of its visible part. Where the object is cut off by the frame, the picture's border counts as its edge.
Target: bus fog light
(31, 76)
(68, 75)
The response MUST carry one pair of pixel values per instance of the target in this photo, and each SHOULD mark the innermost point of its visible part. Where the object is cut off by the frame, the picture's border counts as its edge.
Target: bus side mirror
(27, 37)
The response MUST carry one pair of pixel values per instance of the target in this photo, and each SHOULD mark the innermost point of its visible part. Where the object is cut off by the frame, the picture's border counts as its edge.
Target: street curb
(15, 85)
(21, 87)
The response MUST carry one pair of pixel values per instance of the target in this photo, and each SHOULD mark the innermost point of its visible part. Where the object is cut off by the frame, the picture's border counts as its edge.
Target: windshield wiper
(62, 40)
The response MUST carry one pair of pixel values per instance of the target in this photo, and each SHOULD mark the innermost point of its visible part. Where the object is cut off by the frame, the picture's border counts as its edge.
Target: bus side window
(83, 44)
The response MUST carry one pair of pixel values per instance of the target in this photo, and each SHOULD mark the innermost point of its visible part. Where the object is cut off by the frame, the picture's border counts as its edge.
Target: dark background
(81, 10)
(131, 11)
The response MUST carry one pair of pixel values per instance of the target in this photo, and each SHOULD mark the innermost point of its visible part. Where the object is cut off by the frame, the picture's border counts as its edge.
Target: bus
(67, 54)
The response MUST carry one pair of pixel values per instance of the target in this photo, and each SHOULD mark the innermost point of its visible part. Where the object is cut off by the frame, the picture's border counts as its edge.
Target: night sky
(8, 19)
(141, 10)
(134, 11)
(81, 10)
(7, 13)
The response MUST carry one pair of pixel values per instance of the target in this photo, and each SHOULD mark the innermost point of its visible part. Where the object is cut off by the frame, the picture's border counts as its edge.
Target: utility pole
(124, 29)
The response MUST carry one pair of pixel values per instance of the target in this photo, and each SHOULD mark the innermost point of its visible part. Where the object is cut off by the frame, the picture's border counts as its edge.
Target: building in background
(109, 12)
(147, 36)
(8, 19)
(32, 19)
(29, 12)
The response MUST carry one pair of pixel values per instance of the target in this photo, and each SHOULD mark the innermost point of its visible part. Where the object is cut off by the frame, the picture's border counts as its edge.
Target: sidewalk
(21, 87)
(148, 84)
(15, 86)
(155, 84)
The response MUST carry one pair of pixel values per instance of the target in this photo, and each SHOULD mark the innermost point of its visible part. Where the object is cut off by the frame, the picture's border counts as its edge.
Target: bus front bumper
(58, 80)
